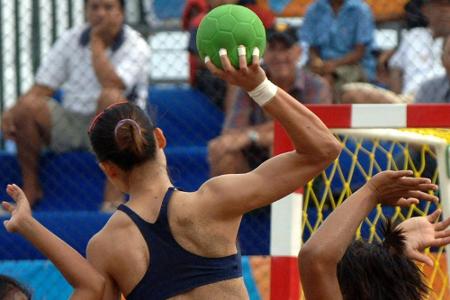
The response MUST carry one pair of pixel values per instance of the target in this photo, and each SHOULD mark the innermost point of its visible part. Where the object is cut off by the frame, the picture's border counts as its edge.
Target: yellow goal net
(367, 152)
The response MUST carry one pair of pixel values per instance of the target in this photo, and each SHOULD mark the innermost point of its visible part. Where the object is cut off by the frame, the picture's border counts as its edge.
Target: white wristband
(264, 92)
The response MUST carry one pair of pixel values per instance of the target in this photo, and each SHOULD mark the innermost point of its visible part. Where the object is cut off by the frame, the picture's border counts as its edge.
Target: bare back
(121, 253)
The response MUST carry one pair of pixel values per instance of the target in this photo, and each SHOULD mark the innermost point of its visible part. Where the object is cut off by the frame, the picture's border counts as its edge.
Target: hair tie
(127, 121)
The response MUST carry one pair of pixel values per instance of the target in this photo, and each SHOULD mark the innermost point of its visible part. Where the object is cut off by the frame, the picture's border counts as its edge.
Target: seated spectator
(199, 76)
(96, 64)
(340, 36)
(247, 135)
(417, 59)
(437, 90)
(412, 18)
(419, 54)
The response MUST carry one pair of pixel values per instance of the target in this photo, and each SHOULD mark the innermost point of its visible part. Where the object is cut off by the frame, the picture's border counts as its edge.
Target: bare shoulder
(195, 201)
(105, 255)
(229, 195)
(221, 199)
(188, 208)
(104, 243)
(221, 186)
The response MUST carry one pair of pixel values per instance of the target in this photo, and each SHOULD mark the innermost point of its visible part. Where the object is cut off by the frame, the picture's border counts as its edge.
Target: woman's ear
(110, 169)
(160, 138)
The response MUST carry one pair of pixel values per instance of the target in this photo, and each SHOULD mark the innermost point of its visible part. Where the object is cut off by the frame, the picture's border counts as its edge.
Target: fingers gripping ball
(228, 26)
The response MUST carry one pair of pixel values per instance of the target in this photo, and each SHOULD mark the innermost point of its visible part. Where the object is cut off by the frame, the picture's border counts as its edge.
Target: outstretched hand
(247, 77)
(19, 212)
(424, 232)
(398, 188)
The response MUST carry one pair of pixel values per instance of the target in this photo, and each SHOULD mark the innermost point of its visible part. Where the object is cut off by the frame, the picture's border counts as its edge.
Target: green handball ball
(228, 26)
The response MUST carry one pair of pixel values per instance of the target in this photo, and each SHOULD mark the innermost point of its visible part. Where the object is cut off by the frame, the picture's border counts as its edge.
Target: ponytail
(129, 137)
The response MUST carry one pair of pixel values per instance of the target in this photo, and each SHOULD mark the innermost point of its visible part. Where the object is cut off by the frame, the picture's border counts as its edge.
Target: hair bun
(128, 136)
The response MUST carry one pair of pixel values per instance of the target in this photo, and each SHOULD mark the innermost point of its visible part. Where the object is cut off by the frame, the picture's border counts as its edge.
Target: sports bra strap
(130, 213)
(162, 213)
(163, 219)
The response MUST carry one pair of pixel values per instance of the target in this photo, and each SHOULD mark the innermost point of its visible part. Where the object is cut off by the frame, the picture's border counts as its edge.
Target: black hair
(380, 271)
(9, 285)
(413, 14)
(121, 2)
(123, 134)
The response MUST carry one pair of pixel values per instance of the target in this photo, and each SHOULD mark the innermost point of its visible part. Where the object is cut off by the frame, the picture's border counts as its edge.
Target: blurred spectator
(200, 77)
(419, 54)
(95, 65)
(437, 90)
(247, 135)
(340, 34)
(417, 59)
(412, 17)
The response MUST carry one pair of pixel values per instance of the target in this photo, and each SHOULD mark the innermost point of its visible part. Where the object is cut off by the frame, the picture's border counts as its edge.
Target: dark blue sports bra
(172, 269)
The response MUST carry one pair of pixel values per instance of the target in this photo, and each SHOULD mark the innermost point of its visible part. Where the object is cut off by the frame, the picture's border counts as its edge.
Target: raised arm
(320, 255)
(315, 147)
(86, 281)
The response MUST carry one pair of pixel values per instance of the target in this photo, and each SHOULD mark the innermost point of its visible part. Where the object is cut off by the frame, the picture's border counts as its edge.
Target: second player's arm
(320, 255)
(86, 281)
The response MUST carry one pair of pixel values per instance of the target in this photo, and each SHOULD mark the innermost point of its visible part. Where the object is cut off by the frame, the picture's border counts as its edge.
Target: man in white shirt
(418, 56)
(416, 60)
(95, 65)
(437, 89)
